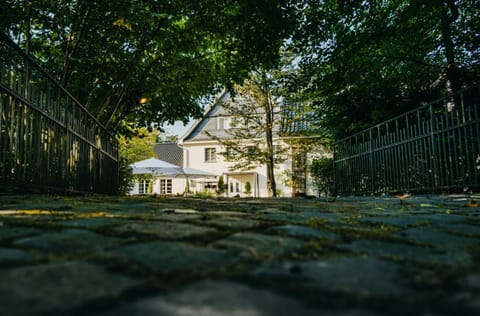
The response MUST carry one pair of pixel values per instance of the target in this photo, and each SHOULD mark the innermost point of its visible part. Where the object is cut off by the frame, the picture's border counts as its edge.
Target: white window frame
(143, 186)
(210, 154)
(224, 122)
(166, 186)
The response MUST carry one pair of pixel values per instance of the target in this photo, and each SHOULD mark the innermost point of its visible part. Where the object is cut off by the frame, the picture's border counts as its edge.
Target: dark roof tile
(169, 152)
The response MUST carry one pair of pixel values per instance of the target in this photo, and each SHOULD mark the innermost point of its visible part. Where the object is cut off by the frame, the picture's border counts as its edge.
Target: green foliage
(126, 178)
(130, 150)
(204, 194)
(361, 62)
(248, 187)
(138, 146)
(321, 170)
(112, 54)
(221, 185)
(255, 114)
(150, 187)
(355, 63)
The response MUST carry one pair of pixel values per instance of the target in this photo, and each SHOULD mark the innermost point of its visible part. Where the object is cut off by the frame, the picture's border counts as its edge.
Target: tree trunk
(453, 81)
(269, 108)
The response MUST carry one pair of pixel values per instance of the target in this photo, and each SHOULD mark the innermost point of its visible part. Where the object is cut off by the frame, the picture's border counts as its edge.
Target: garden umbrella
(160, 167)
(155, 166)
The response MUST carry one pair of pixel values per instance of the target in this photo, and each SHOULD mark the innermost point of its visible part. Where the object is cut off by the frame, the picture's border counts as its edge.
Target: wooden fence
(434, 148)
(48, 140)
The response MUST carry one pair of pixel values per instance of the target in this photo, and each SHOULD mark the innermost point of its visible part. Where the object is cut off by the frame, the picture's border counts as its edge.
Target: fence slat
(48, 140)
(435, 147)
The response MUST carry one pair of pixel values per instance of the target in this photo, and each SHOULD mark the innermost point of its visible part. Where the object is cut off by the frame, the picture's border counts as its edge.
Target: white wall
(178, 186)
(194, 157)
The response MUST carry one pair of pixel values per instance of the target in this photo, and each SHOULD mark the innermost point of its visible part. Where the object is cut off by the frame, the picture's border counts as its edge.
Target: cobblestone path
(186, 256)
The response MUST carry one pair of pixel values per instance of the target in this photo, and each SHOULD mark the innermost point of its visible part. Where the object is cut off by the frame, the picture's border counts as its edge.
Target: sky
(178, 128)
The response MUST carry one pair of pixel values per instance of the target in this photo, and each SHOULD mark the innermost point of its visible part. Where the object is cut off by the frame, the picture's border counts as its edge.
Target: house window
(143, 186)
(223, 122)
(235, 186)
(165, 186)
(210, 155)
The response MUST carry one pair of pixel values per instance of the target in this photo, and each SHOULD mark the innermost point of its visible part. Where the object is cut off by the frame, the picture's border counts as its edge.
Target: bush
(248, 187)
(321, 171)
(204, 194)
(220, 185)
(126, 179)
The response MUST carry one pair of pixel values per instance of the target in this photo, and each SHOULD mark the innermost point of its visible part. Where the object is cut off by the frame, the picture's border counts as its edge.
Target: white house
(202, 152)
(155, 176)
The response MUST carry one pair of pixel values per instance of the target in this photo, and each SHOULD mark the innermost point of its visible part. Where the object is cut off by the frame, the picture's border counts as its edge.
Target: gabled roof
(214, 110)
(294, 121)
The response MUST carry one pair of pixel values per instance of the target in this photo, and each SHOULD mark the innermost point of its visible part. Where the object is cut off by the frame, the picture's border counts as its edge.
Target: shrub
(126, 178)
(220, 185)
(321, 171)
(248, 187)
(204, 194)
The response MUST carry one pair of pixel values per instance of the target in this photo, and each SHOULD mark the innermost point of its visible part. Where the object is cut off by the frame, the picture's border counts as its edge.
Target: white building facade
(159, 185)
(201, 151)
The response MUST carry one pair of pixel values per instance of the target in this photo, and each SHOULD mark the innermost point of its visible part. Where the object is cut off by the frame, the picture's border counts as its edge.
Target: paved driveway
(185, 256)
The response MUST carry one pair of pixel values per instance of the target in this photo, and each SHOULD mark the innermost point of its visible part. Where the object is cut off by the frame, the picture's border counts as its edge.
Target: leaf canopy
(111, 54)
(362, 62)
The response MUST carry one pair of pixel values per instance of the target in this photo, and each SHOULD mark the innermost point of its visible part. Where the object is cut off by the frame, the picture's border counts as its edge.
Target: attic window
(223, 122)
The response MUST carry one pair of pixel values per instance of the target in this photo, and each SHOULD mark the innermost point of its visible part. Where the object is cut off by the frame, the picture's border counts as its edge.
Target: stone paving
(370, 256)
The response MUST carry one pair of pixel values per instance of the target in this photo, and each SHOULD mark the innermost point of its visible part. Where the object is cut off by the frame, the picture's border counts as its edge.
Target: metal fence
(434, 148)
(48, 140)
